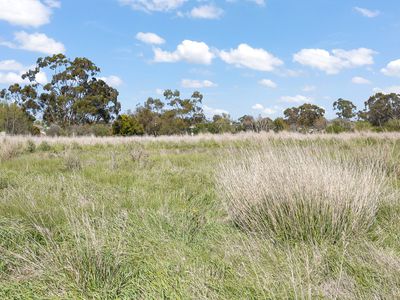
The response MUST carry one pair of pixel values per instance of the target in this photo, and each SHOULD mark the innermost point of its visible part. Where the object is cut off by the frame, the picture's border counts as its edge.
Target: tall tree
(305, 115)
(74, 96)
(345, 109)
(381, 108)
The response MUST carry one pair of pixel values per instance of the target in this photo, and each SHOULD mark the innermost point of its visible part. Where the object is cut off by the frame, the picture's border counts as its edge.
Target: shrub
(363, 126)
(44, 146)
(54, 130)
(30, 146)
(127, 125)
(300, 194)
(72, 161)
(392, 125)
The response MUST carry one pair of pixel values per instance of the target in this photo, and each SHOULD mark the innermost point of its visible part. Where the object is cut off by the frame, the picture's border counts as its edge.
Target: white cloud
(11, 72)
(392, 68)
(367, 12)
(153, 5)
(252, 58)
(159, 91)
(334, 62)
(11, 65)
(268, 83)
(189, 51)
(37, 42)
(112, 80)
(309, 88)
(360, 80)
(206, 12)
(27, 12)
(196, 84)
(263, 110)
(150, 38)
(258, 2)
(388, 90)
(295, 99)
(14, 77)
(210, 112)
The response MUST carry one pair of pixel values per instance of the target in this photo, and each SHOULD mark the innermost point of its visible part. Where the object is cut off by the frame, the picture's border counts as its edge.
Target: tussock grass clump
(9, 149)
(72, 161)
(300, 193)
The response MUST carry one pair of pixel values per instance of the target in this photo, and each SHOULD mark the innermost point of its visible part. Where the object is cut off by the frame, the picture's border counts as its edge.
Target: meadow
(245, 216)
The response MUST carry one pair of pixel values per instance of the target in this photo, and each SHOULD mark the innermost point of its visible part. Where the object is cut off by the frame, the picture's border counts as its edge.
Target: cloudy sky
(245, 56)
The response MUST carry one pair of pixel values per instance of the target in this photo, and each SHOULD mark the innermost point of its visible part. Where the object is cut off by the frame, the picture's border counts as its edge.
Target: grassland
(211, 217)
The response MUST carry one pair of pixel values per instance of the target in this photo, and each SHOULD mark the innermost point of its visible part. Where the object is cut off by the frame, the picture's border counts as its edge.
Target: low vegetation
(244, 216)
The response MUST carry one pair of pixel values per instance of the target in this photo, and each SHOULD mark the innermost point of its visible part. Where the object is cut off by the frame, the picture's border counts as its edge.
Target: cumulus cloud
(392, 68)
(189, 51)
(367, 12)
(112, 80)
(197, 84)
(263, 110)
(252, 58)
(27, 12)
(295, 99)
(11, 65)
(210, 111)
(37, 42)
(150, 38)
(153, 5)
(360, 80)
(206, 12)
(336, 60)
(11, 72)
(268, 83)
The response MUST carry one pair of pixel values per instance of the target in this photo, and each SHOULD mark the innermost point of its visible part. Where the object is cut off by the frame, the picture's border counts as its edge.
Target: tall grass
(300, 193)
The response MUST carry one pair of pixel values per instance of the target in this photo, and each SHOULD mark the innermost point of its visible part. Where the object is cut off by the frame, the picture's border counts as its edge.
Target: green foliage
(381, 108)
(73, 96)
(363, 126)
(345, 108)
(304, 116)
(14, 120)
(280, 125)
(127, 125)
(339, 126)
(392, 125)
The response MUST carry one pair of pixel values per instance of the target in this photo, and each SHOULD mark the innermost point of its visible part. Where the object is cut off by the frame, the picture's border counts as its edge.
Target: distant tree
(345, 109)
(74, 96)
(127, 125)
(305, 115)
(280, 124)
(381, 108)
(263, 124)
(292, 116)
(221, 124)
(14, 120)
(247, 123)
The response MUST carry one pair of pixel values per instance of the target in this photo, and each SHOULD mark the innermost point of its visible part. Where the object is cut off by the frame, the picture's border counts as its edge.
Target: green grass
(102, 222)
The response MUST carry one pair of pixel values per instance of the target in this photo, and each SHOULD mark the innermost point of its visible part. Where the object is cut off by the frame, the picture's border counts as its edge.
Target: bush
(339, 126)
(30, 146)
(54, 130)
(300, 193)
(72, 161)
(392, 125)
(127, 125)
(44, 146)
(363, 126)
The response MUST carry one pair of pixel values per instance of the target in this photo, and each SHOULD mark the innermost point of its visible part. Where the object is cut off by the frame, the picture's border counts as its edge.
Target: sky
(253, 57)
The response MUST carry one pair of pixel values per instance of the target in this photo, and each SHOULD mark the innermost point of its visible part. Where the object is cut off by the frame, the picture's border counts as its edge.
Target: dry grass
(300, 193)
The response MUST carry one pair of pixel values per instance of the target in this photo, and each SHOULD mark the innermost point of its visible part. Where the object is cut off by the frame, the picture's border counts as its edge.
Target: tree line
(76, 101)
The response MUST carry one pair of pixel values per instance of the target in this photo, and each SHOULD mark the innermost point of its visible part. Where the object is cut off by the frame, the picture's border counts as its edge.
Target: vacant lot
(225, 217)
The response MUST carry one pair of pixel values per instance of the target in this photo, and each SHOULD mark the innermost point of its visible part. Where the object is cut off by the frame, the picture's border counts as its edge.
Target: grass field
(211, 217)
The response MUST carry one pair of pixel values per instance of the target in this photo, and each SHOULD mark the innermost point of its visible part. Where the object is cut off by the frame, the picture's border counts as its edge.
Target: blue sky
(246, 56)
